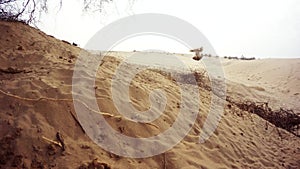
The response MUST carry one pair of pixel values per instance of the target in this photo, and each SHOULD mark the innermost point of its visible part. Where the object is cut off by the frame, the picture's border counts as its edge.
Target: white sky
(259, 28)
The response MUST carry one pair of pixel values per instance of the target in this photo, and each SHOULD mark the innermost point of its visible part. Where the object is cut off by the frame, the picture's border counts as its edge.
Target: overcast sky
(259, 28)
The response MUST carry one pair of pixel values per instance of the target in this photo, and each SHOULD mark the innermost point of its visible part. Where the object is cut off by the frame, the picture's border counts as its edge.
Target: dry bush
(282, 118)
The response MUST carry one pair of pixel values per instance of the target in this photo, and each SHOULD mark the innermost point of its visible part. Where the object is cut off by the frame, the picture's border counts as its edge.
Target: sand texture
(39, 127)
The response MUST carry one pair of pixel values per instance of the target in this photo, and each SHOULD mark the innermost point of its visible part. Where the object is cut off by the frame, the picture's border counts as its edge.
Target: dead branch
(52, 141)
(282, 118)
(76, 120)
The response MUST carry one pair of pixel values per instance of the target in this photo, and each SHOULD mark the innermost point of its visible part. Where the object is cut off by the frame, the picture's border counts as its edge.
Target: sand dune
(267, 77)
(36, 102)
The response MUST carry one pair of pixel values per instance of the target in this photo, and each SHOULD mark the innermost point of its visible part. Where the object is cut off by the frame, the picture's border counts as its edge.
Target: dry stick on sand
(74, 117)
(53, 99)
(60, 143)
(52, 141)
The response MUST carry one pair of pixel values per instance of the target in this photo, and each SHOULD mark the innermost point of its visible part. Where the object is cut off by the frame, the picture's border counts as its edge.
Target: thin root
(54, 99)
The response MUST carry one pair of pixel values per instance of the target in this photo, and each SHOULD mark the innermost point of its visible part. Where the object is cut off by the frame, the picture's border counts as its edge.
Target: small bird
(197, 53)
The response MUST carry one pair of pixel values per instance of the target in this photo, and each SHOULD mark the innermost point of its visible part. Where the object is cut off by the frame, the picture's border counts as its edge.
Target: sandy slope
(36, 102)
(266, 78)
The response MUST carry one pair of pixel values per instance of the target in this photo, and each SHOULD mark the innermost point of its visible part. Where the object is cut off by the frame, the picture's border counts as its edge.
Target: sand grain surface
(36, 102)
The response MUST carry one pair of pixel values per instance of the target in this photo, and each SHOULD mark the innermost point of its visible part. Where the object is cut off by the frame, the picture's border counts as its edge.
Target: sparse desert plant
(245, 58)
(283, 118)
(233, 57)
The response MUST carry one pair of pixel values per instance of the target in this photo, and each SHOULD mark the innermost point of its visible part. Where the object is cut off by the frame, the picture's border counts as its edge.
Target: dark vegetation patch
(283, 118)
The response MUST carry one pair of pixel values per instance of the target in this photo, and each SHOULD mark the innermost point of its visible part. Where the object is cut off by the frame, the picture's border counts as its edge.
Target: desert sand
(36, 104)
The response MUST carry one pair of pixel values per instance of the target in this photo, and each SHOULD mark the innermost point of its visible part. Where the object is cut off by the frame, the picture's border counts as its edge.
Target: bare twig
(52, 141)
(21, 12)
(76, 120)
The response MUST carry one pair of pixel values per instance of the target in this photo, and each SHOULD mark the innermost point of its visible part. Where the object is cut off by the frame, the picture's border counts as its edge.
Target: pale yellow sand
(273, 80)
(38, 102)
